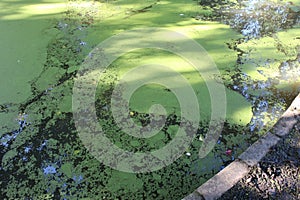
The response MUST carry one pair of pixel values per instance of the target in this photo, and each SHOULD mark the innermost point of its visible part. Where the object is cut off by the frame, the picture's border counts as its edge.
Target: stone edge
(216, 186)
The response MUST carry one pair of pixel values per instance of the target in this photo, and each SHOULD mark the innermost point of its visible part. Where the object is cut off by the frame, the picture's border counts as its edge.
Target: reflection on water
(268, 102)
(257, 18)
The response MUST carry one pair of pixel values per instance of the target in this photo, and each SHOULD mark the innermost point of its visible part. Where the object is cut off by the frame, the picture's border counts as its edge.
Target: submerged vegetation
(41, 154)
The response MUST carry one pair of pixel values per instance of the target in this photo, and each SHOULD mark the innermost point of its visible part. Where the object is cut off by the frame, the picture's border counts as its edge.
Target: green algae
(34, 187)
(274, 50)
(23, 51)
(52, 122)
(211, 35)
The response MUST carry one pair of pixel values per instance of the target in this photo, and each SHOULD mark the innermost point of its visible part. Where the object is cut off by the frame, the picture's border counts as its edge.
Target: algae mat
(41, 154)
(24, 37)
(211, 35)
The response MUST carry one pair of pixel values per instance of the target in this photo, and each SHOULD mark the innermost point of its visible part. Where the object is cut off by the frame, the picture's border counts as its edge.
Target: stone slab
(194, 196)
(289, 118)
(223, 181)
(259, 149)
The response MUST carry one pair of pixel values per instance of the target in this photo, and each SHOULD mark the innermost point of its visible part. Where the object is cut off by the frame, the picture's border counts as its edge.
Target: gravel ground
(277, 176)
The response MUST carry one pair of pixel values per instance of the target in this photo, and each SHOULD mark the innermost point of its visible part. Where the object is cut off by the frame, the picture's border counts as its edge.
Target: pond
(43, 155)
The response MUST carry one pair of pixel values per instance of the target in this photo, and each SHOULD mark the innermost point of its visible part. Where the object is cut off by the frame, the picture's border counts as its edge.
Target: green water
(43, 45)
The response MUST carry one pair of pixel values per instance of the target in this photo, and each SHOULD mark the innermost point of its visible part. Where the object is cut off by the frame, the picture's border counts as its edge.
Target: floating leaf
(67, 169)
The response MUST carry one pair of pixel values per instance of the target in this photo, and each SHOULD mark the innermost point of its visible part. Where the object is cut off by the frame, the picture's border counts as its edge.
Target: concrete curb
(230, 175)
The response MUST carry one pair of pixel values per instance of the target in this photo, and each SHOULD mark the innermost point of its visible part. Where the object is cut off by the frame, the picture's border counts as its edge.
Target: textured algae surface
(42, 156)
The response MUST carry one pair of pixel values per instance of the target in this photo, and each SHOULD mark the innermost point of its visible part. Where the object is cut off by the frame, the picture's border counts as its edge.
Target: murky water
(42, 156)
